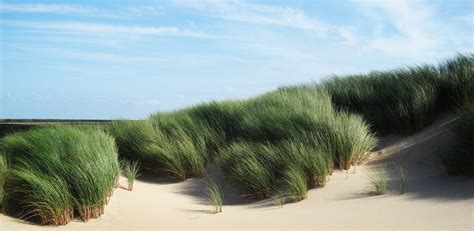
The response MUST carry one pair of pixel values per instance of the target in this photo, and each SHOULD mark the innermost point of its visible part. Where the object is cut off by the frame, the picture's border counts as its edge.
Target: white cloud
(98, 28)
(108, 57)
(44, 8)
(259, 14)
(420, 32)
(285, 52)
(41, 8)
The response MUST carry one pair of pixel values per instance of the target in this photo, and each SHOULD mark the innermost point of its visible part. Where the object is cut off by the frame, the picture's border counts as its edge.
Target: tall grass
(312, 128)
(248, 166)
(214, 196)
(399, 101)
(3, 173)
(379, 181)
(407, 99)
(348, 138)
(130, 170)
(305, 157)
(295, 183)
(164, 145)
(55, 171)
(457, 82)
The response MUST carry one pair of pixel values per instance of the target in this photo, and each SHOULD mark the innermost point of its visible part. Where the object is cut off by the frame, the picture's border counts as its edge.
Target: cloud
(419, 32)
(44, 8)
(259, 14)
(76, 9)
(100, 28)
(107, 57)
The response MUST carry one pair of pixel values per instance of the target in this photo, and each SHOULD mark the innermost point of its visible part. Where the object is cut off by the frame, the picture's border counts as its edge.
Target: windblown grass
(407, 99)
(379, 181)
(397, 101)
(295, 183)
(130, 170)
(55, 171)
(311, 128)
(248, 166)
(214, 196)
(457, 82)
(3, 174)
(304, 157)
(164, 145)
(254, 140)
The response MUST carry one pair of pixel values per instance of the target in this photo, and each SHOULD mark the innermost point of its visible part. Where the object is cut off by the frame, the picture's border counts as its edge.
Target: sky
(126, 59)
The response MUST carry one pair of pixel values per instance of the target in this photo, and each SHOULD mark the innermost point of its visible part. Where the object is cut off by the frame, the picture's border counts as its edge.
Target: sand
(434, 201)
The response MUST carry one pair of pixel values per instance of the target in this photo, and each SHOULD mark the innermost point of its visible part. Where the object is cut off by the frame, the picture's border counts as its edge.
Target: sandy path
(433, 200)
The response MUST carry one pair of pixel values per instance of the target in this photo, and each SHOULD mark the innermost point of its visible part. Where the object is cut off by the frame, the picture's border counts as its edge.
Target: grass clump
(405, 100)
(309, 129)
(396, 101)
(348, 138)
(248, 165)
(379, 181)
(57, 171)
(166, 144)
(3, 174)
(457, 82)
(214, 196)
(130, 170)
(307, 158)
(294, 127)
(295, 183)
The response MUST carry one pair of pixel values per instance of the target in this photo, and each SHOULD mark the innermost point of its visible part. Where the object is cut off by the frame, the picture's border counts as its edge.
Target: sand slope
(433, 200)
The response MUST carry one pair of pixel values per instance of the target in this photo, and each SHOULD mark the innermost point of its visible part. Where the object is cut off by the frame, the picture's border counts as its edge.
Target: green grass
(295, 183)
(348, 138)
(166, 144)
(396, 101)
(379, 181)
(314, 127)
(284, 142)
(247, 166)
(3, 174)
(130, 170)
(55, 171)
(214, 196)
(457, 82)
(253, 139)
(307, 158)
(405, 100)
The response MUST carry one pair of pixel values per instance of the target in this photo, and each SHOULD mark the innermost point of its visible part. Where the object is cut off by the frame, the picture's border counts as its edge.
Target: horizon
(120, 59)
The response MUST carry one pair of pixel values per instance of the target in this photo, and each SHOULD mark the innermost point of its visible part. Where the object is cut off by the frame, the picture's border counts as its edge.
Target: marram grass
(405, 100)
(56, 173)
(131, 171)
(379, 181)
(214, 196)
(165, 145)
(314, 127)
(3, 174)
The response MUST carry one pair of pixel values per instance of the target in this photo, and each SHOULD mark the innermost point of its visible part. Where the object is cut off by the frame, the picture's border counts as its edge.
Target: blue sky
(127, 59)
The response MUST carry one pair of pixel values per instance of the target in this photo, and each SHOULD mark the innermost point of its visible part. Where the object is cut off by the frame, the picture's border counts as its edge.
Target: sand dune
(433, 201)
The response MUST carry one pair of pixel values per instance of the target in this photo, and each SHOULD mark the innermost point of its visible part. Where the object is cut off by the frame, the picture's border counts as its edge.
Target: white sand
(433, 201)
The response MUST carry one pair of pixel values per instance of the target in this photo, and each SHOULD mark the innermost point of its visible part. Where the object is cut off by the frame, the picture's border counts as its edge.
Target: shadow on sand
(418, 155)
